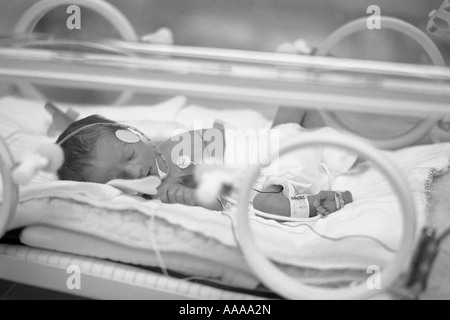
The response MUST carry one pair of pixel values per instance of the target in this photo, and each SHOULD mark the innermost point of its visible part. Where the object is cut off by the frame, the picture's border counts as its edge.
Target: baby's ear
(60, 120)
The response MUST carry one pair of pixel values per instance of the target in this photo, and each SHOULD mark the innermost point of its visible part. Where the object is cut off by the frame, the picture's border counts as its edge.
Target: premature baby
(99, 150)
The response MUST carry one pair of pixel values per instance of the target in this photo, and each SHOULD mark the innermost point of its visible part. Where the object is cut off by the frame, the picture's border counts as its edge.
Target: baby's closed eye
(131, 156)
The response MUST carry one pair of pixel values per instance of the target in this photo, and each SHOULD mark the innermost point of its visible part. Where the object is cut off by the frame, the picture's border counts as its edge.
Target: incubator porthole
(55, 25)
(281, 281)
(413, 131)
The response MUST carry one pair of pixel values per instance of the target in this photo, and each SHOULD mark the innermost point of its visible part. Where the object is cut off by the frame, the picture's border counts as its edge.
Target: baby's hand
(327, 202)
(171, 191)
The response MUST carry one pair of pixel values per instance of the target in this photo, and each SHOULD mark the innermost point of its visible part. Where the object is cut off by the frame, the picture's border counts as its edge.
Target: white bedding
(117, 220)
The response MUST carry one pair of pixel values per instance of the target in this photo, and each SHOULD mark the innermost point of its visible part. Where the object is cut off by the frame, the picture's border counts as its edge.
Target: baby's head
(97, 154)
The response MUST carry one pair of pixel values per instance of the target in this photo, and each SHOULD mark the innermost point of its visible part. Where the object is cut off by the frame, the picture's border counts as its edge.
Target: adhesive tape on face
(127, 136)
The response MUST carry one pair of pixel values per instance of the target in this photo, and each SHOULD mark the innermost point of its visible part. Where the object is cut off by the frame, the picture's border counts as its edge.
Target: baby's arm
(173, 191)
(272, 200)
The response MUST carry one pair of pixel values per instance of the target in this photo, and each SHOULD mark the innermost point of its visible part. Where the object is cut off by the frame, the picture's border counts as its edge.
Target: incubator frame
(312, 82)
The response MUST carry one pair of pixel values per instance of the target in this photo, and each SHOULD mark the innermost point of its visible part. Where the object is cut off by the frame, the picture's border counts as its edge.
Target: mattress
(103, 279)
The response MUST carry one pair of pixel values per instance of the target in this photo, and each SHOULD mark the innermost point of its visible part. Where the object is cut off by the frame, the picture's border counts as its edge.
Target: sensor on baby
(127, 136)
(184, 152)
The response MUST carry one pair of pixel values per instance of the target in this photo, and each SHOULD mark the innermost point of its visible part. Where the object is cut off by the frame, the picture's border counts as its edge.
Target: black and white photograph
(225, 155)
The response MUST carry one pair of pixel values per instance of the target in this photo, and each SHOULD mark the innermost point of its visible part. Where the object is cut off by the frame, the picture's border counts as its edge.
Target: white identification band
(299, 206)
(339, 200)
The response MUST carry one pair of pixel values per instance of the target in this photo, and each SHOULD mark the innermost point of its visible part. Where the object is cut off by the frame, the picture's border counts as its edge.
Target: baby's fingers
(322, 211)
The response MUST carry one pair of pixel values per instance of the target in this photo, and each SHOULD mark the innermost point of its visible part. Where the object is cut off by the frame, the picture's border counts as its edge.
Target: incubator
(393, 114)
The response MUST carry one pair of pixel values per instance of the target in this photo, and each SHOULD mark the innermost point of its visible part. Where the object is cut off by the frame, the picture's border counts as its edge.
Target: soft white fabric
(21, 142)
(148, 185)
(104, 213)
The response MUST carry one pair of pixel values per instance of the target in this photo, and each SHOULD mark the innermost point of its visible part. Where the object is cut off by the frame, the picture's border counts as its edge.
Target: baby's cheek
(146, 155)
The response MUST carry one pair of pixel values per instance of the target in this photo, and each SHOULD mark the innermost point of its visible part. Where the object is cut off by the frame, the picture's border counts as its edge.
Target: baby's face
(116, 159)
